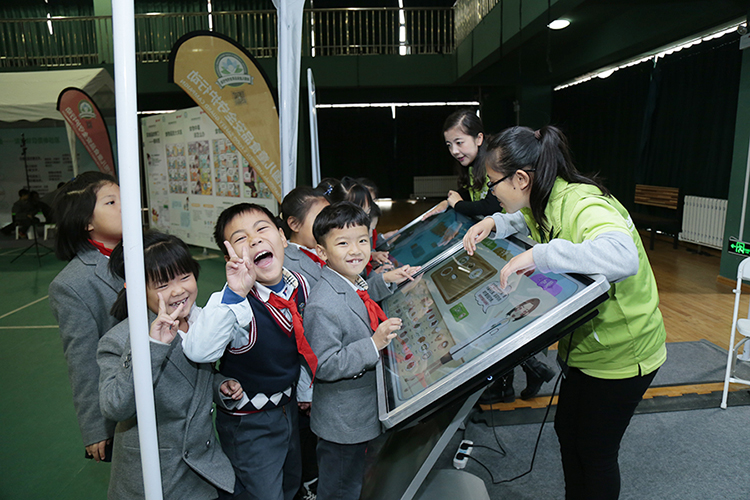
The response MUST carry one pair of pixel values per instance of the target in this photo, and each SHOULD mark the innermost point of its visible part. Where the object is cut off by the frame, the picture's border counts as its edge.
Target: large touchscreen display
(456, 312)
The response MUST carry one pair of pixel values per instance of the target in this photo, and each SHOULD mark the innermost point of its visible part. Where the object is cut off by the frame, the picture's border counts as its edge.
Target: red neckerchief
(374, 311)
(374, 238)
(104, 250)
(314, 257)
(299, 332)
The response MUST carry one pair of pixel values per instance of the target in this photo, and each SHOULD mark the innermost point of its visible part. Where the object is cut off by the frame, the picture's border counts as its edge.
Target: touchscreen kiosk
(420, 242)
(459, 326)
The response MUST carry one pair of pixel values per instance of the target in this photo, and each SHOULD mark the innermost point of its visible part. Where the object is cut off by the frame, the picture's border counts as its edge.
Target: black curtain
(368, 142)
(357, 142)
(671, 124)
(602, 119)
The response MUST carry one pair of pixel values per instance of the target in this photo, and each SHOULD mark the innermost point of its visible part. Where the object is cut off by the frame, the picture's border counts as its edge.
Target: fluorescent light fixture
(655, 54)
(159, 112)
(396, 104)
(558, 24)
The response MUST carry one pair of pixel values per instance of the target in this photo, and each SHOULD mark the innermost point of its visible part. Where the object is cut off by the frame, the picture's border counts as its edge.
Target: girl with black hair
(580, 227)
(298, 211)
(464, 136)
(88, 228)
(192, 462)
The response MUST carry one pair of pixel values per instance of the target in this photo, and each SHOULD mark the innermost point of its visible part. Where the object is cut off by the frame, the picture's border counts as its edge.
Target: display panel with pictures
(459, 325)
(421, 241)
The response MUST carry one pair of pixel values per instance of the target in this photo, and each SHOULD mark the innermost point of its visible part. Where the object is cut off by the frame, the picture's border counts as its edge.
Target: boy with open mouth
(254, 327)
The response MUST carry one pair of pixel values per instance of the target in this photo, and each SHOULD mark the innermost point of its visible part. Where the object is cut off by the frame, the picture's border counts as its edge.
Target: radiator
(430, 186)
(703, 221)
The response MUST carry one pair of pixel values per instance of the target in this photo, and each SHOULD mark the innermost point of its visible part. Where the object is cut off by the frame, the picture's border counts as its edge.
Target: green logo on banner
(231, 70)
(85, 110)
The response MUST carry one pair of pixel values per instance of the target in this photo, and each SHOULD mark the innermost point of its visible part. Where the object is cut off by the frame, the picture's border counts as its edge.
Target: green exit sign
(739, 248)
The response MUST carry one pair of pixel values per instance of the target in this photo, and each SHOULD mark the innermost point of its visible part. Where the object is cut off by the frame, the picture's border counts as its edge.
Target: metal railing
(468, 14)
(75, 41)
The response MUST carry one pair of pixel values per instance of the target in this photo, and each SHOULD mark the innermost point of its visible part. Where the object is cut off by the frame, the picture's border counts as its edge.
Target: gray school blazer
(296, 260)
(192, 462)
(345, 406)
(81, 296)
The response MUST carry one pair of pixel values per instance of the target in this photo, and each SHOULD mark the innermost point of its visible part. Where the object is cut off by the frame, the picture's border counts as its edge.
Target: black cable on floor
(541, 428)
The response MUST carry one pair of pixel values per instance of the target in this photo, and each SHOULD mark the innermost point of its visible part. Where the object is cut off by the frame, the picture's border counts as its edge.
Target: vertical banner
(223, 79)
(314, 149)
(288, 60)
(82, 114)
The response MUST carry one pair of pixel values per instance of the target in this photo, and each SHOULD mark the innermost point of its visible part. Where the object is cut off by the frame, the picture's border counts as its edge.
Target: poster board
(459, 326)
(193, 172)
(48, 159)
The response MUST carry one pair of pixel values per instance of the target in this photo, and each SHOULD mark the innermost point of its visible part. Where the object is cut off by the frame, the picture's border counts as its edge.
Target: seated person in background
(346, 330)
(40, 206)
(24, 213)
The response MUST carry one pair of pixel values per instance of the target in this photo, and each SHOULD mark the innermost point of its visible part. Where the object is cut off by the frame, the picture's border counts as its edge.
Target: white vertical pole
(72, 139)
(289, 27)
(123, 30)
(314, 150)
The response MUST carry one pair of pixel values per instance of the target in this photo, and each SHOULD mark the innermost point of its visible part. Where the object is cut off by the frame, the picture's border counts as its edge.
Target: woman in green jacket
(580, 227)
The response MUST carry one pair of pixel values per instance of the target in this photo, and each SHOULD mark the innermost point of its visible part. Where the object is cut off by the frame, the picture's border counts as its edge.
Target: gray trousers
(265, 452)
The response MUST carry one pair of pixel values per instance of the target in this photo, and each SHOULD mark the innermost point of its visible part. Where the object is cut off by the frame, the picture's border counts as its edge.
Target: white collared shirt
(223, 325)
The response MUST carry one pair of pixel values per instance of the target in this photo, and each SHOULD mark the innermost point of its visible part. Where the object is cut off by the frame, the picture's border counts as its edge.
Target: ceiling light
(558, 24)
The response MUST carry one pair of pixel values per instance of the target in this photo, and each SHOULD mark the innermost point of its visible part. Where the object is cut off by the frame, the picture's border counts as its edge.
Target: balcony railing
(75, 41)
(468, 13)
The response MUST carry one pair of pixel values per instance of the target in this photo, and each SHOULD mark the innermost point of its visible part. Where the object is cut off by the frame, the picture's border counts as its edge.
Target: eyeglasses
(491, 185)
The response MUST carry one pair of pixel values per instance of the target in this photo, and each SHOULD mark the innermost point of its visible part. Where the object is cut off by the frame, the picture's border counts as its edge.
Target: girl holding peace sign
(192, 462)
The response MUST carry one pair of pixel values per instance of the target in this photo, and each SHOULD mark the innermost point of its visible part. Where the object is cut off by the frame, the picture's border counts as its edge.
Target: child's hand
(453, 198)
(385, 332)
(477, 233)
(304, 407)
(439, 209)
(401, 274)
(231, 388)
(240, 271)
(389, 234)
(164, 327)
(520, 264)
(380, 257)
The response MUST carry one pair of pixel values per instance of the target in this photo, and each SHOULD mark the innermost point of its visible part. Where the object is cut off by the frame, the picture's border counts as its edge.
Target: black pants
(592, 415)
(341, 469)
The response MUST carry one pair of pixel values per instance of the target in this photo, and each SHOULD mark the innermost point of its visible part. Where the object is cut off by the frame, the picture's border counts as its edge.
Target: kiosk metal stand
(403, 459)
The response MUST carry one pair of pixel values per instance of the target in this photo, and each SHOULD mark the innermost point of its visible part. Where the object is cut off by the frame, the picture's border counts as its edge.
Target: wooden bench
(667, 199)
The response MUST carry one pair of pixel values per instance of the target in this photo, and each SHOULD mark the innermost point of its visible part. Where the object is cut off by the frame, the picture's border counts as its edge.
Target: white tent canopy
(32, 95)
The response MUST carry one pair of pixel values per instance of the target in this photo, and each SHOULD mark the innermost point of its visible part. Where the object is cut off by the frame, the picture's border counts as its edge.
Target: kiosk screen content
(419, 242)
(459, 325)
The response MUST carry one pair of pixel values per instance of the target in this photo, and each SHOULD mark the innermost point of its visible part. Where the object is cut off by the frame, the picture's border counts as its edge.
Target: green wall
(729, 261)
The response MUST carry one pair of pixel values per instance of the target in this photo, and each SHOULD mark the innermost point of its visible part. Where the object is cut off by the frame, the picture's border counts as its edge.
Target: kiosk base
(447, 483)
(402, 459)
